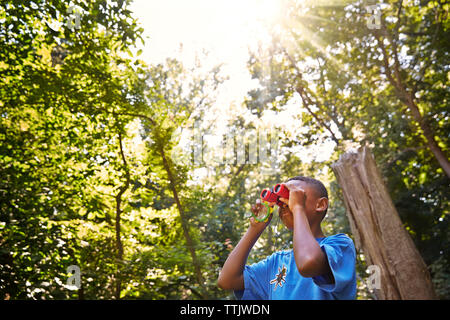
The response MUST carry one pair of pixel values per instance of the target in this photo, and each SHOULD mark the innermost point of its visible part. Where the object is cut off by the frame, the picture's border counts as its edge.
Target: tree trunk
(393, 74)
(429, 135)
(118, 198)
(184, 225)
(378, 230)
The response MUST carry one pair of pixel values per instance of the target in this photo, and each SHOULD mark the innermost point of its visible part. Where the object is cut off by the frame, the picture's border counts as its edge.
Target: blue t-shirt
(277, 276)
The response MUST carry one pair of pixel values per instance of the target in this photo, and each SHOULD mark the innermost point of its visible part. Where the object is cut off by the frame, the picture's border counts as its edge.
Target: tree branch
(118, 197)
(307, 102)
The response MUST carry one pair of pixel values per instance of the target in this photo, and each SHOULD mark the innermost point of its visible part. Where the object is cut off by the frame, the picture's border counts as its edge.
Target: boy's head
(316, 203)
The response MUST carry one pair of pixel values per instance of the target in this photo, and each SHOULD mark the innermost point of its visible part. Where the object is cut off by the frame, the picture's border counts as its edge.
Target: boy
(317, 267)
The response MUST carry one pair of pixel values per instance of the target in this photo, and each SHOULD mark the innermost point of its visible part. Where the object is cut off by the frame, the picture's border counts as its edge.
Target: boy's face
(310, 206)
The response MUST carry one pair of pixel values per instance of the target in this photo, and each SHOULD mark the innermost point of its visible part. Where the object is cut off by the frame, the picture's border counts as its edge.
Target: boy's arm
(311, 261)
(232, 275)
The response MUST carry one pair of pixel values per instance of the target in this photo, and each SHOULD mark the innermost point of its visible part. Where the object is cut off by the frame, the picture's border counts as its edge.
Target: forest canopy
(132, 172)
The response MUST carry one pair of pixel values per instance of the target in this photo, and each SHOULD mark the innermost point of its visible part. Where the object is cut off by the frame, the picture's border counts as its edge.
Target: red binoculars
(279, 191)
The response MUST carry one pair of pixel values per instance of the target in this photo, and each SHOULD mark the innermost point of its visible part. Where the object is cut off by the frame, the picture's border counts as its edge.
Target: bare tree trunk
(378, 230)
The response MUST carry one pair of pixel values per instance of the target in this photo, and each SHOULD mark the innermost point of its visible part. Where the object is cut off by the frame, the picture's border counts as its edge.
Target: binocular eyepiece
(279, 191)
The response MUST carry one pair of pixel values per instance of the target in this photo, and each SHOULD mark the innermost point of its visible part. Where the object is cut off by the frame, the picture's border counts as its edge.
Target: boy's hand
(257, 225)
(297, 196)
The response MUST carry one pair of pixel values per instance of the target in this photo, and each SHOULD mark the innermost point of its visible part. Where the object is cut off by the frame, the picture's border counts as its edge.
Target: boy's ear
(322, 205)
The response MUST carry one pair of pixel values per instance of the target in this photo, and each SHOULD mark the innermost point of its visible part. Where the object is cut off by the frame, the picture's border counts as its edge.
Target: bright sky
(225, 29)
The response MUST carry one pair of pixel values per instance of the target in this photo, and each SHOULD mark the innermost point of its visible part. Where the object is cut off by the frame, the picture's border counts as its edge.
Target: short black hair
(316, 184)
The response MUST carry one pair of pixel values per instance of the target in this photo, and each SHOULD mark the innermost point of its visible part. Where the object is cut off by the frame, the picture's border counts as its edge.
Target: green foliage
(87, 132)
(54, 125)
(328, 58)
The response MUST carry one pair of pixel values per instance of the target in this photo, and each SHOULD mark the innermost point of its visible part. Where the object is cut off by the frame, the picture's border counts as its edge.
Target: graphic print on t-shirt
(280, 277)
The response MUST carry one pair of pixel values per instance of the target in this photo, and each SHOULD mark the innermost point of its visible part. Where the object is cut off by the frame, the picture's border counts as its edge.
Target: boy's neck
(316, 230)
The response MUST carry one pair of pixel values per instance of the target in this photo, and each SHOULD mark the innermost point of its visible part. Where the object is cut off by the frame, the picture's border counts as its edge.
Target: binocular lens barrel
(268, 196)
(281, 191)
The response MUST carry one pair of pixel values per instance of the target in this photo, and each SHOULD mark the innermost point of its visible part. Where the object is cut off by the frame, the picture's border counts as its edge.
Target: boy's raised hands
(297, 196)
